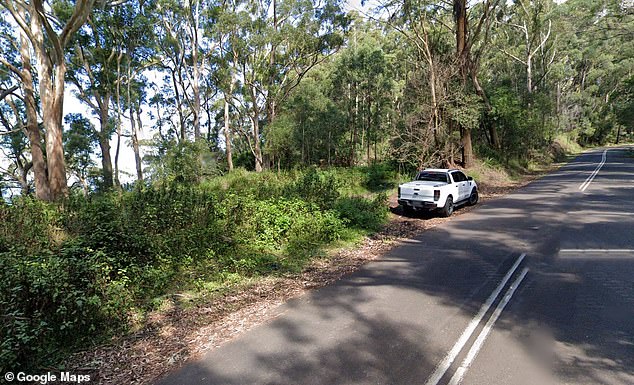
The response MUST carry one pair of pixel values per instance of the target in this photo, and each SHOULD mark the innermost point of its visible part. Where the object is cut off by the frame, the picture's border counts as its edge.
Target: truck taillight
(436, 195)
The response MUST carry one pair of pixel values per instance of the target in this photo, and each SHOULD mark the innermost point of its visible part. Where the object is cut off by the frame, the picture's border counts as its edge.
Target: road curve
(454, 305)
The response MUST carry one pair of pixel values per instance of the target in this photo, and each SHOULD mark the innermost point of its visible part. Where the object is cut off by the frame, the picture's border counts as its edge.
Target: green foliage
(182, 162)
(362, 213)
(71, 276)
(319, 187)
(29, 225)
(380, 177)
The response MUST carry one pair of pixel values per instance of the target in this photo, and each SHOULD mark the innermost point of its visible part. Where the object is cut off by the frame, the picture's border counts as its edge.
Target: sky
(126, 158)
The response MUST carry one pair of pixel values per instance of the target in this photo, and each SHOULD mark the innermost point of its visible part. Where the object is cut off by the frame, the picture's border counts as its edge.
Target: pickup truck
(438, 190)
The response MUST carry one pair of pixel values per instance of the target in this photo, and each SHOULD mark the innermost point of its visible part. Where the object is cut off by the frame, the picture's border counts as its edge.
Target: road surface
(533, 288)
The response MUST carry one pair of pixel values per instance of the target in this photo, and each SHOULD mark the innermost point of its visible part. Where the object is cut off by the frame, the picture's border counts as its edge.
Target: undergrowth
(76, 274)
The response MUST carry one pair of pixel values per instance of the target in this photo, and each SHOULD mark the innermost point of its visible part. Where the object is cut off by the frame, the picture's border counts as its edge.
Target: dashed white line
(589, 180)
(444, 365)
(477, 345)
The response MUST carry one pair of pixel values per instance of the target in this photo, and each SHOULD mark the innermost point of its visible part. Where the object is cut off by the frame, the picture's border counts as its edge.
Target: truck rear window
(432, 177)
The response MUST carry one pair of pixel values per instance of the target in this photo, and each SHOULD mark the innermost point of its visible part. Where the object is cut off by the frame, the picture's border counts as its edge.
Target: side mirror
(469, 178)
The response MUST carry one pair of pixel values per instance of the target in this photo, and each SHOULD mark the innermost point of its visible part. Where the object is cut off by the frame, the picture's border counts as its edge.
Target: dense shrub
(72, 275)
(50, 302)
(320, 187)
(380, 177)
(363, 213)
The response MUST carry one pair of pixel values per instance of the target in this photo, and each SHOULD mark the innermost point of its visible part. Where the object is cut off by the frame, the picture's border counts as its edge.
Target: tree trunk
(493, 132)
(104, 145)
(51, 67)
(196, 79)
(117, 182)
(529, 74)
(257, 151)
(51, 78)
(179, 106)
(106, 161)
(42, 189)
(270, 98)
(135, 145)
(460, 14)
(227, 129)
(52, 96)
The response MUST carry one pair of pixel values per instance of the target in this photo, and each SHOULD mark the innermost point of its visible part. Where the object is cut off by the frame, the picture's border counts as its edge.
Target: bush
(29, 225)
(75, 274)
(319, 187)
(363, 213)
(380, 177)
(49, 304)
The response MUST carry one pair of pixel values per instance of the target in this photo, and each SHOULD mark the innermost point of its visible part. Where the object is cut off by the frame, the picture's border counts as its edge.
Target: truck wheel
(473, 198)
(408, 210)
(447, 210)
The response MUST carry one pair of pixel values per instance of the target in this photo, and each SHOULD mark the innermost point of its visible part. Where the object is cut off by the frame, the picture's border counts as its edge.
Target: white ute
(438, 189)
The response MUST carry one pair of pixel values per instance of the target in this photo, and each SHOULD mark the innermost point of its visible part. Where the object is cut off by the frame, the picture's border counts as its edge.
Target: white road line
(477, 345)
(441, 369)
(589, 180)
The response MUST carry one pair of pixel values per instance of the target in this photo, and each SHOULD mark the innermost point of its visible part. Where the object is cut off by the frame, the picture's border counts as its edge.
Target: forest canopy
(280, 84)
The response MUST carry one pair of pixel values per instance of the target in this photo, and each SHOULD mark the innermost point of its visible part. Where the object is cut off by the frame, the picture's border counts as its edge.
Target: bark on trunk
(227, 129)
(104, 146)
(42, 189)
(52, 96)
(460, 14)
(51, 77)
(135, 145)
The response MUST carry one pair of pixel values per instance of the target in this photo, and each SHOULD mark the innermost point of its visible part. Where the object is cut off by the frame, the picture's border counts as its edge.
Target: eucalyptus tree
(18, 69)
(224, 63)
(277, 44)
(430, 26)
(183, 52)
(527, 35)
(49, 27)
(106, 58)
(92, 69)
(362, 85)
(596, 45)
(468, 58)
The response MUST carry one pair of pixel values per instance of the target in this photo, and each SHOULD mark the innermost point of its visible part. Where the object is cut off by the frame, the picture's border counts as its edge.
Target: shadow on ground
(392, 321)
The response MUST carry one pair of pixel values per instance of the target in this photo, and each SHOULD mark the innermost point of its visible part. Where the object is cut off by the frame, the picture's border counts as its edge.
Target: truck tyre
(447, 210)
(473, 198)
(408, 210)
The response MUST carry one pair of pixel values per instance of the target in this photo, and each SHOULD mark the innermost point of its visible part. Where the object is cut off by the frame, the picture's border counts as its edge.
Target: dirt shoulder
(176, 335)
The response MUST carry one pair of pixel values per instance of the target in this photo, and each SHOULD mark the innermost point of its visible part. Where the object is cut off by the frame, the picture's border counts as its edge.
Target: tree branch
(7, 92)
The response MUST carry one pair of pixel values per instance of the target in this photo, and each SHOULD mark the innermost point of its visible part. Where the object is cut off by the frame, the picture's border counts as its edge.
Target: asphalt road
(533, 288)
